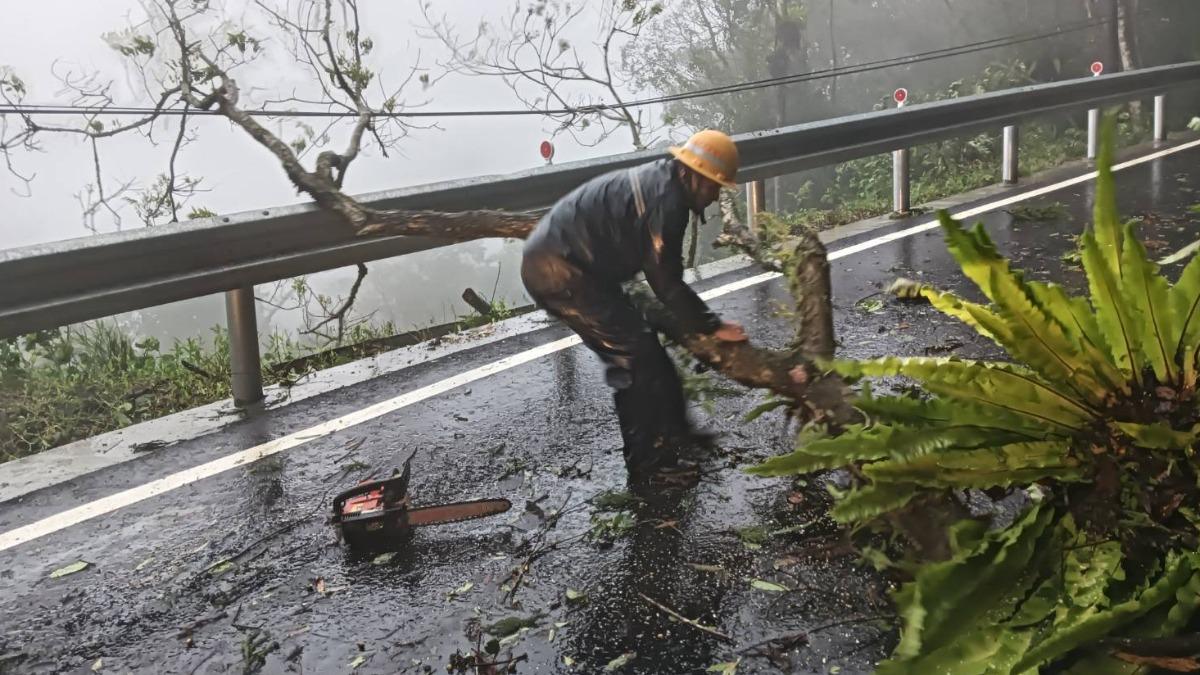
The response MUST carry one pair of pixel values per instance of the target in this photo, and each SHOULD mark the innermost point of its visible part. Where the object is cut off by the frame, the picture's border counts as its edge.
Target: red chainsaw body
(375, 514)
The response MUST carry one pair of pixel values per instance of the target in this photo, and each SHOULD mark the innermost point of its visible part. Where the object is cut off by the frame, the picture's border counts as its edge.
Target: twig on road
(794, 638)
(203, 621)
(353, 447)
(691, 622)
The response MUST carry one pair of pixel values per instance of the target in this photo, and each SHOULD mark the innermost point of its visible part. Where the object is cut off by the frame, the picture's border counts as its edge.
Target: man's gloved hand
(730, 332)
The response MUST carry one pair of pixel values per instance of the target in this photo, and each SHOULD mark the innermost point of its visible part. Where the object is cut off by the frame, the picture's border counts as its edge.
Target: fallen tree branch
(787, 372)
(799, 256)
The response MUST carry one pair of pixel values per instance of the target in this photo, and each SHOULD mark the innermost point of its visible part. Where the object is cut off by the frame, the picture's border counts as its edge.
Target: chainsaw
(376, 514)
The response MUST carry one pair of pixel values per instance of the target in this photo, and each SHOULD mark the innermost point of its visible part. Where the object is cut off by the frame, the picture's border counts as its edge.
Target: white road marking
(111, 503)
(1181, 253)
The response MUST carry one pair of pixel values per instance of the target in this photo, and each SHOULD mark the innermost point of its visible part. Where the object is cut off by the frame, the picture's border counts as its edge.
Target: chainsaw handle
(361, 489)
(382, 483)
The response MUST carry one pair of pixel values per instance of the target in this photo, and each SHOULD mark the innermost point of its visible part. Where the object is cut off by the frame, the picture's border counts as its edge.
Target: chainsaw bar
(455, 513)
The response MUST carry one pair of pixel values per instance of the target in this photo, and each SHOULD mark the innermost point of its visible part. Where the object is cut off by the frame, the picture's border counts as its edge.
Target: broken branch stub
(808, 280)
(802, 259)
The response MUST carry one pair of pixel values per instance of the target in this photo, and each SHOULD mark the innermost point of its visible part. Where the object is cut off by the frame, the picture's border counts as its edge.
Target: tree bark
(803, 260)
(1126, 28)
(786, 372)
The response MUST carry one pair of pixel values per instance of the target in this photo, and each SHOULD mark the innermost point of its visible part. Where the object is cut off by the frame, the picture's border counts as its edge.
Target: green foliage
(1096, 419)
(241, 41)
(607, 528)
(62, 385)
(862, 188)
(201, 212)
(130, 43)
(10, 83)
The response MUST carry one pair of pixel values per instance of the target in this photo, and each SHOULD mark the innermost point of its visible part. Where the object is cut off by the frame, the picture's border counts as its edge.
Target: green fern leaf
(1087, 571)
(974, 315)
(1159, 436)
(942, 412)
(997, 386)
(1094, 626)
(1023, 326)
(858, 443)
(1185, 303)
(1105, 222)
(868, 502)
(1117, 320)
(948, 597)
(1004, 465)
(764, 408)
(1148, 295)
(974, 251)
(1044, 345)
(1073, 312)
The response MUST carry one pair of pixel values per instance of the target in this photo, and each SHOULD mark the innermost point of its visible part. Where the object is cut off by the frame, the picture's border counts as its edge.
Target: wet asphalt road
(240, 571)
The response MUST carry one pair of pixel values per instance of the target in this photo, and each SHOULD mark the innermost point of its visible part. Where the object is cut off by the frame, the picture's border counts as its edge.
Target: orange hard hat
(711, 154)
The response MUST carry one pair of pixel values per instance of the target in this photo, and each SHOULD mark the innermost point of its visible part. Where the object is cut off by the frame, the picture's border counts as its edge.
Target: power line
(920, 57)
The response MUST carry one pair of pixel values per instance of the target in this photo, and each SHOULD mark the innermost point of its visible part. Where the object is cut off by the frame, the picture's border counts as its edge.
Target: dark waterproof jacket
(624, 222)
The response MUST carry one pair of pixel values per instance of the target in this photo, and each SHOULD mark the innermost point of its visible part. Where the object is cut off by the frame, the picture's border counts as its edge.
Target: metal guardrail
(59, 283)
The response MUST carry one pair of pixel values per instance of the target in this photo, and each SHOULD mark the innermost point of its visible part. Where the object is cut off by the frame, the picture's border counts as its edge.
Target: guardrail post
(1093, 132)
(243, 346)
(1160, 117)
(756, 198)
(900, 181)
(1011, 154)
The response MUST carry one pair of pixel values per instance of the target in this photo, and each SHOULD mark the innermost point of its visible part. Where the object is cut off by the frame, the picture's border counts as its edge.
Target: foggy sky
(240, 174)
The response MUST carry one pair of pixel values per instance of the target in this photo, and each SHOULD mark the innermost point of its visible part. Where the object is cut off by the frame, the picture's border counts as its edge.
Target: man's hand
(730, 332)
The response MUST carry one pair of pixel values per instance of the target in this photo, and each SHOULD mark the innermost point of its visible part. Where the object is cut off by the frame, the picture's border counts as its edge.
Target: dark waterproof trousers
(647, 390)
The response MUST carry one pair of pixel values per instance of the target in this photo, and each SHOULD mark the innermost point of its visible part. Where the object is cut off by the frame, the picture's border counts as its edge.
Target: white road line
(85, 512)
(1181, 253)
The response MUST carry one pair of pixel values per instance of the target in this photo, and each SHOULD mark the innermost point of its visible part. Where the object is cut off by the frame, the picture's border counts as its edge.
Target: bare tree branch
(530, 53)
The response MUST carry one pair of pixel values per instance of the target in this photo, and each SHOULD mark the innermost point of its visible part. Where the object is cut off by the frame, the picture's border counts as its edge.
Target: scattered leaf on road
(142, 565)
(754, 537)
(768, 586)
(220, 568)
(614, 500)
(70, 569)
(568, 660)
(712, 569)
(620, 662)
(358, 661)
(510, 625)
(871, 306)
(320, 585)
(384, 558)
(460, 590)
(727, 668)
(576, 596)
(97, 665)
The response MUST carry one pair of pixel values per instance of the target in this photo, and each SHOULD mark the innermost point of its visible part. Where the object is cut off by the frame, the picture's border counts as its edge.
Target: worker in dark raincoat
(603, 234)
